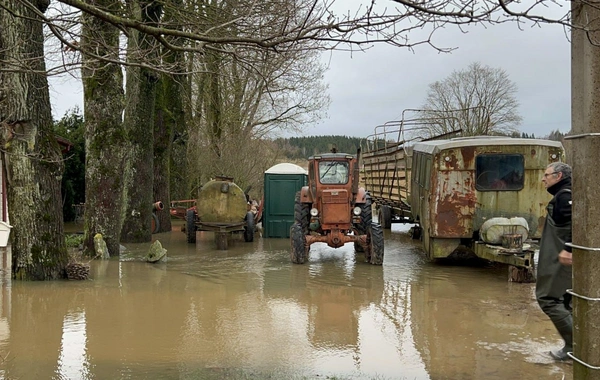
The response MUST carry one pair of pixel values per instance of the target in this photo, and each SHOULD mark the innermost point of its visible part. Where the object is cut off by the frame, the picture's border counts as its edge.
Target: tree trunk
(32, 156)
(162, 150)
(139, 120)
(170, 117)
(105, 135)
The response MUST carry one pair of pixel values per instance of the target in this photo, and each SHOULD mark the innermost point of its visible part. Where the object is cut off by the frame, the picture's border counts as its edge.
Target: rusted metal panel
(335, 206)
(458, 209)
(336, 213)
(497, 254)
(453, 204)
(441, 248)
(335, 196)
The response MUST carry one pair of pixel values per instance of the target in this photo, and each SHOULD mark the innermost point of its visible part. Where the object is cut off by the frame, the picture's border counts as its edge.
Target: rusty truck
(467, 196)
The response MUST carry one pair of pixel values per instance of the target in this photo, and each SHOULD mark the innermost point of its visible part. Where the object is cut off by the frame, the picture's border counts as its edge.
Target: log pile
(78, 271)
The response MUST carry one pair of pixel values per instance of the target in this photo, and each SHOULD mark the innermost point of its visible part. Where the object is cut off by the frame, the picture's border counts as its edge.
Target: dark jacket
(561, 205)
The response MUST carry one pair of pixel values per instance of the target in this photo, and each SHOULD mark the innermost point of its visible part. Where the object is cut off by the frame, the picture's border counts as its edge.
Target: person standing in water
(554, 275)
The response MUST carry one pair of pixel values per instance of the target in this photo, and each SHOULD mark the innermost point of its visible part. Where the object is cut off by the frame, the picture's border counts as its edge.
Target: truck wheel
(301, 213)
(384, 216)
(190, 226)
(249, 228)
(299, 252)
(374, 251)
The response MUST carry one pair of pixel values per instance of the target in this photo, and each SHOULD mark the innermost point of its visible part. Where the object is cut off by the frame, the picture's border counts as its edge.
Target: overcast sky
(371, 88)
(368, 89)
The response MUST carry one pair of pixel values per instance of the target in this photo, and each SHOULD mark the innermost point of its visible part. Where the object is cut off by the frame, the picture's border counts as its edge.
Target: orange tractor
(333, 209)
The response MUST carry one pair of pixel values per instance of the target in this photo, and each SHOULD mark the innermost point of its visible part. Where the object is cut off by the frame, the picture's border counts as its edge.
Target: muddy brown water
(248, 313)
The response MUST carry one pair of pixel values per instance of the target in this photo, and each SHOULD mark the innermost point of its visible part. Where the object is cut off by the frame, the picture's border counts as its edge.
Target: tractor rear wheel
(301, 213)
(190, 226)
(366, 218)
(299, 253)
(249, 227)
(374, 251)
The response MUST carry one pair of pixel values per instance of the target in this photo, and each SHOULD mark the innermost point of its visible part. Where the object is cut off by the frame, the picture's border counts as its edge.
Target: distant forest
(304, 147)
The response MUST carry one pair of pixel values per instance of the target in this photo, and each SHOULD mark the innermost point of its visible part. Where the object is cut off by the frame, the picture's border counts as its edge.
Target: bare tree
(237, 106)
(479, 100)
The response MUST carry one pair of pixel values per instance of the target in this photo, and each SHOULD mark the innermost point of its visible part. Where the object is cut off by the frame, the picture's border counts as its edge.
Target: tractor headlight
(356, 211)
(314, 212)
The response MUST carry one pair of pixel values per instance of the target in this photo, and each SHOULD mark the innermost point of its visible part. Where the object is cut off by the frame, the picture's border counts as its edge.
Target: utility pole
(583, 152)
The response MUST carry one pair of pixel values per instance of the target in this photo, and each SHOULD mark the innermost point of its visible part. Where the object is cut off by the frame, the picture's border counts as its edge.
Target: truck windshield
(333, 172)
(499, 172)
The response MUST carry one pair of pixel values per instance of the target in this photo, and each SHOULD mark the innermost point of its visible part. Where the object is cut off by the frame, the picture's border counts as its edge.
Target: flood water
(248, 313)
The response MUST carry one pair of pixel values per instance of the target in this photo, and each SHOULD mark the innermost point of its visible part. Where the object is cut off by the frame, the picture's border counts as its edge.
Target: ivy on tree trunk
(32, 160)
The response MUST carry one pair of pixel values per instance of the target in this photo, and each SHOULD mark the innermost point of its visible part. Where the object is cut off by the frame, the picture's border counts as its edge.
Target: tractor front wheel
(301, 213)
(299, 253)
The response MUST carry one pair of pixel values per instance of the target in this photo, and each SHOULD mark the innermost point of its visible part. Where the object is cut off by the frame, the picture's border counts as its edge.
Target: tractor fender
(305, 195)
(361, 196)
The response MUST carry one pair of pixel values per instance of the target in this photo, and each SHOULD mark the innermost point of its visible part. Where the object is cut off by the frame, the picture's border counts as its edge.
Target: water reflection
(73, 360)
(249, 313)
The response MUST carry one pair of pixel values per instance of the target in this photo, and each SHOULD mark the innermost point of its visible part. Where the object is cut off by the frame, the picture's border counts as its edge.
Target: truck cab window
(499, 172)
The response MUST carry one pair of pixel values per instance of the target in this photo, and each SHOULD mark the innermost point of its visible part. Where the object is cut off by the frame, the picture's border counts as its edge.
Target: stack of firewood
(77, 271)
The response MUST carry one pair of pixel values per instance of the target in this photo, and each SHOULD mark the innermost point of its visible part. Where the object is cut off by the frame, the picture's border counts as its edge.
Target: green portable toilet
(282, 181)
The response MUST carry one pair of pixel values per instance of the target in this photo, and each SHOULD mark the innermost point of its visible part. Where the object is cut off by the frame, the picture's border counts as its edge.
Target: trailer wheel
(249, 228)
(374, 251)
(190, 226)
(384, 216)
(154, 224)
(415, 232)
(299, 252)
(301, 213)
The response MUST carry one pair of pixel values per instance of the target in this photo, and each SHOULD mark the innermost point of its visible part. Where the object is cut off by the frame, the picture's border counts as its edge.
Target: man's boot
(565, 329)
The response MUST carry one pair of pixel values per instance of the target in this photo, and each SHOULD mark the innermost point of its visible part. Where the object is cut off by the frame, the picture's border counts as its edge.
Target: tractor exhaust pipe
(355, 174)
